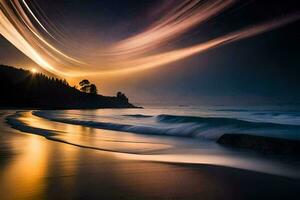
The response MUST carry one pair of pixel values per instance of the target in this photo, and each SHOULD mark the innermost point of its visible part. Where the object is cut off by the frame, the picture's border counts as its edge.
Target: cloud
(28, 31)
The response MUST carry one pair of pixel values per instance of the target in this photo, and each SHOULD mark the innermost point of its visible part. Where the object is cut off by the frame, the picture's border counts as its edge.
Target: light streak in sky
(36, 19)
(28, 31)
(180, 19)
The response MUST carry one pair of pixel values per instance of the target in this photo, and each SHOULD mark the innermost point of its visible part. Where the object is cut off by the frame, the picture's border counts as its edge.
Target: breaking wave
(185, 126)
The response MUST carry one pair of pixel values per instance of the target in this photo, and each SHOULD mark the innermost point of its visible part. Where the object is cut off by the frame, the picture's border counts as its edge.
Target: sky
(161, 51)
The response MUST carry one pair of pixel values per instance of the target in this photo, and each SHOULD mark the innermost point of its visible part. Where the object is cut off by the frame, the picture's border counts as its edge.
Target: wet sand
(32, 167)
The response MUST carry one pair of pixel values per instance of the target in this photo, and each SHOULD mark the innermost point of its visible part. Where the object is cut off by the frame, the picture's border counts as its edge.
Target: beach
(149, 100)
(33, 167)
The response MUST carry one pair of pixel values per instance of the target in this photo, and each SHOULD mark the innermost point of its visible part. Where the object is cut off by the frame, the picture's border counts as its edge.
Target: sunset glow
(33, 70)
(28, 31)
(149, 99)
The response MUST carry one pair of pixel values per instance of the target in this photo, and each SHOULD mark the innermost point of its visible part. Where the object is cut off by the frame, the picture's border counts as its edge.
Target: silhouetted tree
(85, 85)
(65, 82)
(93, 89)
(119, 94)
(122, 96)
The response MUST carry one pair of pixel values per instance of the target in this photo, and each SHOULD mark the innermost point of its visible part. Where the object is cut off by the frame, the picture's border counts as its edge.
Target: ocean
(176, 134)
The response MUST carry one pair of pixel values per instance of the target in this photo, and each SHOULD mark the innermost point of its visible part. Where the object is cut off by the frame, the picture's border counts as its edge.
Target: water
(194, 122)
(171, 134)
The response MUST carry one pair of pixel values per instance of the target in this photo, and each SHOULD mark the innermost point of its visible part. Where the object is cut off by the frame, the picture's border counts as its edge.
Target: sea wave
(142, 129)
(138, 116)
(16, 122)
(222, 121)
(186, 126)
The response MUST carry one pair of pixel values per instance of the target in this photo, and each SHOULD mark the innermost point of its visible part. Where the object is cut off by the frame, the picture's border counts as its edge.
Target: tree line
(22, 88)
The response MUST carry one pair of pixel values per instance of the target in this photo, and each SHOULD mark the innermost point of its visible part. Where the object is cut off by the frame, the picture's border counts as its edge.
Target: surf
(181, 126)
(154, 148)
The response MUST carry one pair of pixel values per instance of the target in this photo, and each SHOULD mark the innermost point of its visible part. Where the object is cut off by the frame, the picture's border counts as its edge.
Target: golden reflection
(26, 173)
(96, 138)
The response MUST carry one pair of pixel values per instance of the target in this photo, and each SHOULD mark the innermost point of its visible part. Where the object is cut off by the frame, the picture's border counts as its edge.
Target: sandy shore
(32, 167)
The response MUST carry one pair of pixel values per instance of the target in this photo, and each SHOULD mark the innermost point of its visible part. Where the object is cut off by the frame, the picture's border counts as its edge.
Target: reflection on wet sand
(41, 169)
(26, 170)
(24, 175)
(95, 138)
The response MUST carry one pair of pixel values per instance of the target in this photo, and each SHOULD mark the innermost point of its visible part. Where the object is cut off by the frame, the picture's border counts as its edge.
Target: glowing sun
(33, 70)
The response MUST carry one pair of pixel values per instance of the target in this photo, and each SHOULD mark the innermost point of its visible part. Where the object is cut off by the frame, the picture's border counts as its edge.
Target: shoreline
(154, 147)
(74, 108)
(37, 168)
